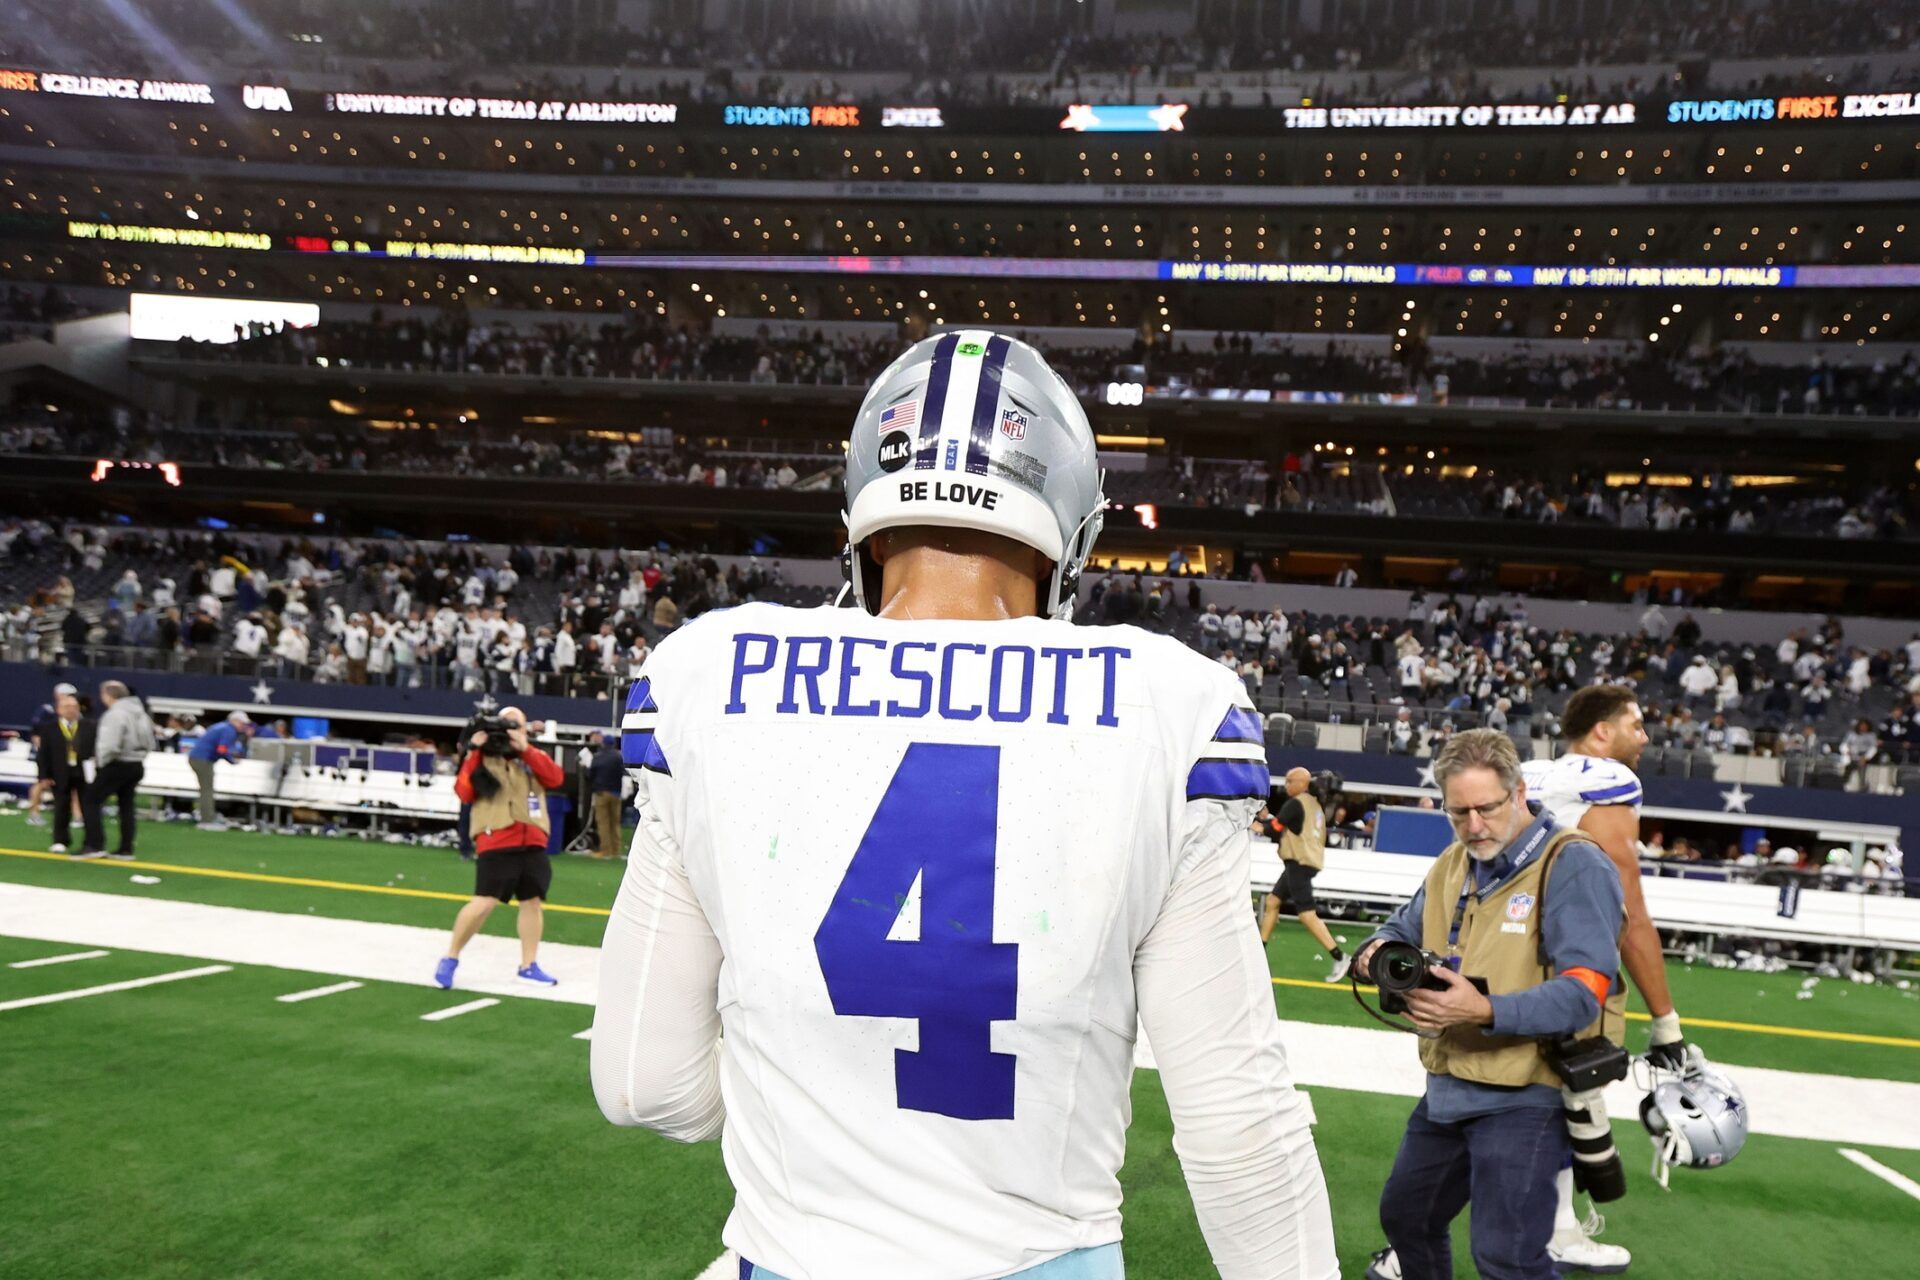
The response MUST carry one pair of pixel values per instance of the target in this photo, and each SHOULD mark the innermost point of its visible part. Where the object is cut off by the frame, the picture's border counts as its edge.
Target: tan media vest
(1507, 958)
(510, 804)
(1309, 848)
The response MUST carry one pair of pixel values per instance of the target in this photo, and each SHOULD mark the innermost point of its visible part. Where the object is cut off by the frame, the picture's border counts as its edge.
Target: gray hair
(1478, 749)
(113, 689)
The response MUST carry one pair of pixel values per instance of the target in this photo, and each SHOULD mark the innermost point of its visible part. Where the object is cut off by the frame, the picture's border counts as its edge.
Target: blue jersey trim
(639, 749)
(640, 697)
(1228, 780)
(1612, 795)
(1240, 725)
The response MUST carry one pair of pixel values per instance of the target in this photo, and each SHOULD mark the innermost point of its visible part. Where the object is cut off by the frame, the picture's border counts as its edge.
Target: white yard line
(296, 997)
(471, 1006)
(84, 992)
(45, 960)
(311, 943)
(1878, 1170)
(1827, 1108)
(584, 1035)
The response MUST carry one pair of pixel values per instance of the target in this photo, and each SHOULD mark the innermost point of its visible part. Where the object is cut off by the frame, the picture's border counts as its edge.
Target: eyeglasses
(1458, 815)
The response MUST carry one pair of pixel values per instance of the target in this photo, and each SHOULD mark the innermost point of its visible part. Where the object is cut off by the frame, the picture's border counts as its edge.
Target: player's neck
(960, 582)
(1585, 748)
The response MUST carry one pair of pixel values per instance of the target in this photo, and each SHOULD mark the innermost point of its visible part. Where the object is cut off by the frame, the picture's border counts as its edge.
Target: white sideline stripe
(295, 997)
(75, 955)
(1878, 1170)
(308, 943)
(584, 1035)
(1841, 1110)
(724, 1267)
(441, 1015)
(83, 992)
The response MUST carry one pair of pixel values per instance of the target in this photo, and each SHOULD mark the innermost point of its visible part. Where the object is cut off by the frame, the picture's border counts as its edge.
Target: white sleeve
(656, 1033)
(1240, 1129)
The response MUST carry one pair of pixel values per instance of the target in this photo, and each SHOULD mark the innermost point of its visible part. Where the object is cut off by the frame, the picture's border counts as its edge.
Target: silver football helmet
(1698, 1120)
(973, 429)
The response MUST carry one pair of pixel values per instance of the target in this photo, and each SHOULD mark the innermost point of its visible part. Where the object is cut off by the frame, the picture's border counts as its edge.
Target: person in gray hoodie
(121, 745)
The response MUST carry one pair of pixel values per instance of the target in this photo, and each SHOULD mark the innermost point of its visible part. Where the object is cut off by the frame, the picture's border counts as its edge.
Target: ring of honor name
(854, 675)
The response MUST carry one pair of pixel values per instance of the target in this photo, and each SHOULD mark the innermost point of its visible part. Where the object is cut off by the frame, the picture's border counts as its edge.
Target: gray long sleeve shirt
(1581, 925)
(125, 733)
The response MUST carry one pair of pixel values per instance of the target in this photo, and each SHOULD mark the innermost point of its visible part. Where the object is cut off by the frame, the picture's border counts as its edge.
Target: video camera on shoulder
(499, 735)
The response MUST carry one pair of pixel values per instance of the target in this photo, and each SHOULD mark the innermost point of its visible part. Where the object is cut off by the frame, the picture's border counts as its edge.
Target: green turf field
(202, 1128)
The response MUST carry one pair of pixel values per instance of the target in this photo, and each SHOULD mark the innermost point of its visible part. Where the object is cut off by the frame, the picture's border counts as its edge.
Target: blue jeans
(1099, 1263)
(1505, 1163)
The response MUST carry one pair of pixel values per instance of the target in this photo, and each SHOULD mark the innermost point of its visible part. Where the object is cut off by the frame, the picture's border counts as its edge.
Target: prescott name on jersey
(901, 893)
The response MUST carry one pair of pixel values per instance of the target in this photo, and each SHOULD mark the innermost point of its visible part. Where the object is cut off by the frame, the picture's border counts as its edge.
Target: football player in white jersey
(907, 874)
(1593, 786)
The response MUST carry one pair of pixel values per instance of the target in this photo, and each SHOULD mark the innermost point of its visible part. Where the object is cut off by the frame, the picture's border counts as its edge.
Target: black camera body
(499, 736)
(1400, 967)
(1592, 1063)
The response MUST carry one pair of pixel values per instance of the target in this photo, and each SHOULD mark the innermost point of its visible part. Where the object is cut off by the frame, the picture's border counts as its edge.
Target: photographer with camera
(504, 780)
(1506, 962)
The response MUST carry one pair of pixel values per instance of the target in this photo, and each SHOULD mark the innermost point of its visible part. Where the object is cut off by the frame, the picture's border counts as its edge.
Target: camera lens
(1401, 968)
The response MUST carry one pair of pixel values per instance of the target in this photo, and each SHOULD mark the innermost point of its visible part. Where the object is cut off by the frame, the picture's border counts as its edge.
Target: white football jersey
(1571, 785)
(929, 851)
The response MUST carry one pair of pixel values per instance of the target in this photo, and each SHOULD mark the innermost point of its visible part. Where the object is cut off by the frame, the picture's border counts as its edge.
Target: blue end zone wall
(1400, 830)
(25, 686)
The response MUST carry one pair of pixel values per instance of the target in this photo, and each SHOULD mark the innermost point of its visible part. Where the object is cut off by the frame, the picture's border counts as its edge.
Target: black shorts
(507, 874)
(1295, 886)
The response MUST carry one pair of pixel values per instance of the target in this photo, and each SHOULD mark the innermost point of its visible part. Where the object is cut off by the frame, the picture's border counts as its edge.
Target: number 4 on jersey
(936, 821)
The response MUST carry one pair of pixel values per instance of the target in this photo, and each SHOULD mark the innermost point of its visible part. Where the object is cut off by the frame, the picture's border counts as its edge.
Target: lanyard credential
(1469, 890)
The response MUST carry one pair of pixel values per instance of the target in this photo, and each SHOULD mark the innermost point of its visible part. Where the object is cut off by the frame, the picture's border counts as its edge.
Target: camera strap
(1562, 838)
(1353, 981)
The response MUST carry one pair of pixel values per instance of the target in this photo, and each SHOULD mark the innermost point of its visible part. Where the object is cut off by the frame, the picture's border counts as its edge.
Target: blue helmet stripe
(936, 405)
(986, 402)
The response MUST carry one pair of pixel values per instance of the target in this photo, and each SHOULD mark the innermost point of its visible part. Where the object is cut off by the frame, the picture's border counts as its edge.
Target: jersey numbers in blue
(936, 821)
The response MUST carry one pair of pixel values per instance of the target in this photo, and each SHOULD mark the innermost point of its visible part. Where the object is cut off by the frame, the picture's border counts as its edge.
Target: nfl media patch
(1013, 424)
(1519, 906)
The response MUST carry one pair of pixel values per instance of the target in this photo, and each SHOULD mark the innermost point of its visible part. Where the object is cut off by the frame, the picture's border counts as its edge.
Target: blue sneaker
(534, 973)
(443, 972)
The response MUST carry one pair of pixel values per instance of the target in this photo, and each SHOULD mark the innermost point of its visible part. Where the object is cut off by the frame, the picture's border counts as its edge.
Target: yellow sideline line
(1847, 1037)
(258, 877)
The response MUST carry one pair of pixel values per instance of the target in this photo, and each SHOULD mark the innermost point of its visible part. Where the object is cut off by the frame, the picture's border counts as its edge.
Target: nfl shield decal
(1519, 906)
(1013, 424)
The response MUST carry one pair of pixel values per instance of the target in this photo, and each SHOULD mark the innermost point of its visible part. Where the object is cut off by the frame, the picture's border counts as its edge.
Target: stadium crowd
(1726, 379)
(358, 611)
(1303, 482)
(1453, 663)
(545, 620)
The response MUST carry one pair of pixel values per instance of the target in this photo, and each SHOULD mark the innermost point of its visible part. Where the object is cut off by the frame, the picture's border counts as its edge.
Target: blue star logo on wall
(486, 704)
(1735, 801)
(262, 693)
